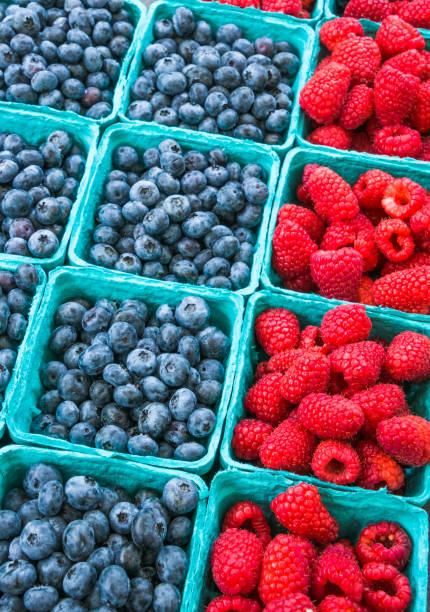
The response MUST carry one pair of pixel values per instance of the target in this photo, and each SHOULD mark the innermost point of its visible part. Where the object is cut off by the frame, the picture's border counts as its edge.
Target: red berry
(409, 62)
(276, 329)
(399, 140)
(331, 136)
(338, 566)
(338, 273)
(311, 340)
(344, 324)
(302, 512)
(302, 284)
(370, 188)
(420, 116)
(236, 560)
(378, 470)
(248, 436)
(285, 570)
(324, 94)
(394, 240)
(365, 291)
(331, 195)
(406, 290)
(290, 447)
(406, 439)
(358, 107)
(332, 603)
(330, 416)
(297, 602)
(395, 95)
(357, 233)
(416, 12)
(292, 249)
(305, 545)
(361, 55)
(408, 357)
(246, 513)
(385, 588)
(395, 36)
(379, 403)
(417, 260)
(402, 198)
(310, 373)
(261, 370)
(384, 542)
(332, 32)
(288, 7)
(264, 400)
(304, 217)
(375, 10)
(236, 603)
(336, 462)
(357, 366)
(281, 362)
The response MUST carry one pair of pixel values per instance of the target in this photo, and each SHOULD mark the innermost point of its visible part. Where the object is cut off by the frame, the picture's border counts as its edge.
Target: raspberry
(261, 370)
(302, 190)
(244, 514)
(305, 545)
(425, 151)
(285, 570)
(398, 140)
(402, 198)
(385, 588)
(417, 13)
(248, 436)
(332, 197)
(331, 136)
(297, 602)
(395, 95)
(361, 142)
(408, 357)
(375, 10)
(358, 107)
(302, 512)
(357, 233)
(332, 603)
(378, 403)
(332, 32)
(240, 3)
(265, 401)
(290, 447)
(281, 362)
(330, 416)
(288, 7)
(417, 260)
(357, 366)
(361, 55)
(292, 249)
(409, 62)
(337, 567)
(378, 470)
(311, 339)
(304, 14)
(365, 291)
(420, 116)
(233, 604)
(420, 220)
(336, 462)
(395, 36)
(394, 239)
(346, 323)
(338, 273)
(302, 284)
(305, 218)
(406, 439)
(236, 560)
(324, 94)
(276, 330)
(370, 188)
(384, 542)
(406, 290)
(310, 373)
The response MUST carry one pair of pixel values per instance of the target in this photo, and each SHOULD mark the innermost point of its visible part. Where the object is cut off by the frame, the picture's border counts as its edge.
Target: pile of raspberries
(368, 242)
(304, 570)
(415, 12)
(329, 402)
(296, 8)
(371, 95)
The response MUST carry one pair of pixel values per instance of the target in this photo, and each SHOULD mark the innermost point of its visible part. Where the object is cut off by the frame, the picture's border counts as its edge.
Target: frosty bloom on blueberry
(74, 545)
(132, 381)
(180, 216)
(216, 81)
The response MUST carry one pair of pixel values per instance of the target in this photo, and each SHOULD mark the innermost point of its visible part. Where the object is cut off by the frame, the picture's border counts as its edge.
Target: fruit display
(72, 544)
(197, 77)
(128, 380)
(414, 12)
(296, 8)
(332, 402)
(366, 242)
(181, 216)
(309, 568)
(371, 94)
(64, 55)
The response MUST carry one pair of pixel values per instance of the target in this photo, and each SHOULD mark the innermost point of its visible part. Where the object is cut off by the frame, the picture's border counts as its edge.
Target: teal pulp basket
(143, 137)
(253, 25)
(137, 12)
(92, 284)
(15, 460)
(353, 510)
(311, 312)
(303, 125)
(350, 166)
(17, 374)
(35, 127)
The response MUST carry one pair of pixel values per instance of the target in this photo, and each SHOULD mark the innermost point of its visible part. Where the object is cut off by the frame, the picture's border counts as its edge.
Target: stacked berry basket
(214, 305)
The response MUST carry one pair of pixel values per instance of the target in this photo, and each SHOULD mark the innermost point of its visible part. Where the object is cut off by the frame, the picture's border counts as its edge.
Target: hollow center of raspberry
(384, 585)
(335, 467)
(402, 196)
(395, 243)
(387, 541)
(338, 382)
(333, 589)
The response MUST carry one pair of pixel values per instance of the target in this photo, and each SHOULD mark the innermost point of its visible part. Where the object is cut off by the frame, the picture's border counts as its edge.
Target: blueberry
(180, 496)
(278, 120)
(16, 577)
(189, 451)
(82, 492)
(167, 598)
(79, 580)
(154, 389)
(141, 593)
(121, 517)
(37, 539)
(50, 499)
(101, 558)
(149, 528)
(143, 445)
(99, 523)
(287, 63)
(40, 599)
(51, 570)
(78, 540)
(37, 475)
(114, 586)
(10, 524)
(111, 438)
(82, 433)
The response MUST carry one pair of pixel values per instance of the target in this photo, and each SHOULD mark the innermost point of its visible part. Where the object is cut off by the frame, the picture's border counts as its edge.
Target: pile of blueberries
(180, 217)
(65, 54)
(16, 293)
(38, 186)
(124, 381)
(218, 82)
(76, 546)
